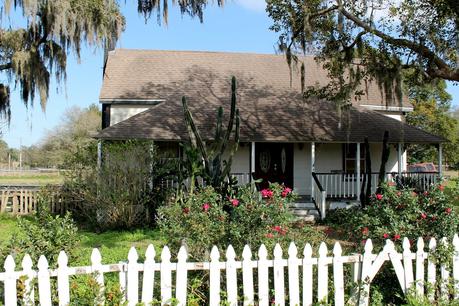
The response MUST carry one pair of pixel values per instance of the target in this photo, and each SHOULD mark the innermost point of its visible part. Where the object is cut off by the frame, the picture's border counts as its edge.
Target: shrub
(121, 193)
(43, 234)
(205, 218)
(395, 214)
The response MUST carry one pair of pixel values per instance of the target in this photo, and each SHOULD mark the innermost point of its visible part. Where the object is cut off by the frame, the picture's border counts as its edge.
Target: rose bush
(204, 218)
(395, 214)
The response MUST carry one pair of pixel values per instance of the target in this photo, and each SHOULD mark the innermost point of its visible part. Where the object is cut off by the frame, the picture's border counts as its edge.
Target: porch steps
(306, 211)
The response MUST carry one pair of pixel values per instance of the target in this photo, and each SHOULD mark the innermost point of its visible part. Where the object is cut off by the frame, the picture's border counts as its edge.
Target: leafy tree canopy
(363, 40)
(432, 113)
(31, 54)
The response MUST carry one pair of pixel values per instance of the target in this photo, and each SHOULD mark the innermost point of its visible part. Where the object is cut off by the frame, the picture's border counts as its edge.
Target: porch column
(99, 154)
(252, 160)
(440, 160)
(313, 162)
(357, 170)
(399, 157)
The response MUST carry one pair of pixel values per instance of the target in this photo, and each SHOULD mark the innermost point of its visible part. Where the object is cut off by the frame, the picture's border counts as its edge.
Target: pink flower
(399, 194)
(285, 192)
(269, 235)
(385, 236)
(205, 207)
(277, 228)
(186, 210)
(234, 202)
(397, 237)
(379, 197)
(423, 216)
(426, 193)
(448, 210)
(267, 193)
(441, 187)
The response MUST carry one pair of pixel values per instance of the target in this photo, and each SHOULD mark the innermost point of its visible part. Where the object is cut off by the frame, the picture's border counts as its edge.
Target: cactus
(216, 170)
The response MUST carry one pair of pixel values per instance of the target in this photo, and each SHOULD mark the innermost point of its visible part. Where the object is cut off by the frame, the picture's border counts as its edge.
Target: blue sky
(241, 25)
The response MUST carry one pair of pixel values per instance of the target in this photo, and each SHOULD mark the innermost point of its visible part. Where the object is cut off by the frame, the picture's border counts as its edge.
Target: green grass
(113, 245)
(31, 178)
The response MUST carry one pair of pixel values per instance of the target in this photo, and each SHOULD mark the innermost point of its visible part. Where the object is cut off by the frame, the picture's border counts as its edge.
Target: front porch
(324, 172)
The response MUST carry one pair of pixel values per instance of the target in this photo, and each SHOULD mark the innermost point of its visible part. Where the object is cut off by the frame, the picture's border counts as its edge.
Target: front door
(274, 163)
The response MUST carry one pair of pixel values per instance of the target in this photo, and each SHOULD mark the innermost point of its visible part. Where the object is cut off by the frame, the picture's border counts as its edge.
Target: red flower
(186, 210)
(423, 216)
(448, 210)
(379, 197)
(385, 236)
(234, 202)
(205, 207)
(285, 192)
(426, 193)
(441, 187)
(397, 237)
(269, 235)
(365, 231)
(277, 228)
(267, 193)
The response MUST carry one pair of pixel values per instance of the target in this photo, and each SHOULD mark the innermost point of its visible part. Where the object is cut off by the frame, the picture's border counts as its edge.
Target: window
(350, 158)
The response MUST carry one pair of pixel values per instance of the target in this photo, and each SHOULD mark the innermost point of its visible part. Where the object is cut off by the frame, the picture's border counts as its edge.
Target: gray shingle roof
(268, 113)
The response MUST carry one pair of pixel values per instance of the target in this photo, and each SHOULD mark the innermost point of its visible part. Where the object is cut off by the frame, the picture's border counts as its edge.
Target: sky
(240, 26)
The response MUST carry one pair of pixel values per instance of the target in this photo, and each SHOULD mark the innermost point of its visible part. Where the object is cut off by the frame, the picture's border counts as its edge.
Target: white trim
(388, 108)
(131, 101)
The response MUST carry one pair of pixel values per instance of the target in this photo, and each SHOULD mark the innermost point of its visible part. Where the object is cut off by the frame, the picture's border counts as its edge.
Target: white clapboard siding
(414, 270)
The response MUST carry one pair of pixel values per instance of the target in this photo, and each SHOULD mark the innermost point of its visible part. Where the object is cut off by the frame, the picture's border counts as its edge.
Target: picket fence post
(322, 274)
(338, 275)
(293, 282)
(10, 282)
(182, 277)
(96, 267)
(123, 280)
(456, 266)
(307, 275)
(63, 279)
(263, 276)
(444, 273)
(29, 295)
(44, 284)
(279, 293)
(420, 258)
(166, 276)
(231, 276)
(364, 296)
(431, 270)
(247, 276)
(214, 277)
(148, 281)
(132, 278)
(407, 264)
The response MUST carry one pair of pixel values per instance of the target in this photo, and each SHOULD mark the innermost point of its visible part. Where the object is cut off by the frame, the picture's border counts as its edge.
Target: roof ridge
(201, 51)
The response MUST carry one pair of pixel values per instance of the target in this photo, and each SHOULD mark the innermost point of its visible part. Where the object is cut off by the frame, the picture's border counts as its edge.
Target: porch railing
(172, 183)
(344, 185)
(319, 196)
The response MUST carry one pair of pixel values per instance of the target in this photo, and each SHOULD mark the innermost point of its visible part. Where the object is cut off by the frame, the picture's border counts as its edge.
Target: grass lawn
(113, 245)
(30, 178)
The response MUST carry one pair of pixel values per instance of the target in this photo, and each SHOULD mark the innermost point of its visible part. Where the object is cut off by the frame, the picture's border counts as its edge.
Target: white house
(284, 138)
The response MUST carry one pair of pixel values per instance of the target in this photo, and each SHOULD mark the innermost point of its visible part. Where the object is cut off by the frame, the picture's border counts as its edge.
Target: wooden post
(399, 158)
(99, 154)
(263, 277)
(440, 160)
(247, 276)
(231, 276)
(357, 170)
(252, 160)
(293, 275)
(313, 162)
(214, 277)
(278, 269)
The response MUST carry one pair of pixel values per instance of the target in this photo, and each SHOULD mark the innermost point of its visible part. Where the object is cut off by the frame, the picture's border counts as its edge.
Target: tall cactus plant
(216, 169)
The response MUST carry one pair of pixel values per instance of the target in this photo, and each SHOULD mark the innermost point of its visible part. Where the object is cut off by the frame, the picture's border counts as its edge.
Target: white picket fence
(307, 276)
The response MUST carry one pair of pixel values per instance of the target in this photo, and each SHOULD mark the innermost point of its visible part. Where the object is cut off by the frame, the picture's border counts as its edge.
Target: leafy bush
(121, 193)
(43, 234)
(205, 218)
(394, 214)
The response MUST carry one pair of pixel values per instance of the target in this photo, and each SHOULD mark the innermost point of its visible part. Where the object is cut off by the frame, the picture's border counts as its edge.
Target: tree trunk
(384, 159)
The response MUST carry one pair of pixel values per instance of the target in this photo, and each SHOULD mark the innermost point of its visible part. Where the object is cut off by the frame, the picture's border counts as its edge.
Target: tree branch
(6, 66)
(444, 70)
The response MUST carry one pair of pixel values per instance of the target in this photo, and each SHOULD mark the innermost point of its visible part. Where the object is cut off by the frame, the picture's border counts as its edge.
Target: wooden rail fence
(296, 280)
(24, 200)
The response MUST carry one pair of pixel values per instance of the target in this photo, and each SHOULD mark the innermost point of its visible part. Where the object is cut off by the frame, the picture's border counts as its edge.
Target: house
(308, 145)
